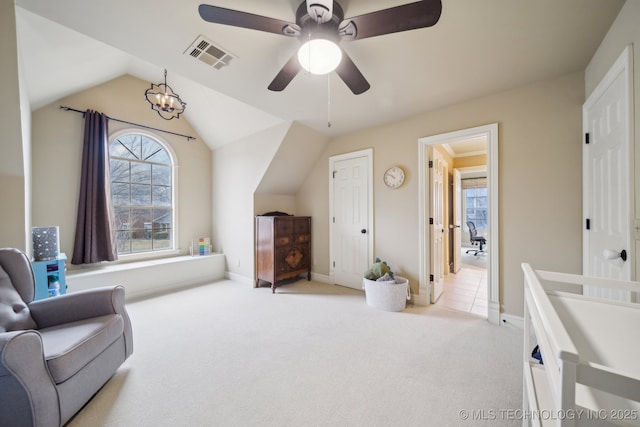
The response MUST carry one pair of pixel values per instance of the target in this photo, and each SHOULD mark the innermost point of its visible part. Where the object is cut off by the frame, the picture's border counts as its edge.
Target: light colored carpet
(313, 354)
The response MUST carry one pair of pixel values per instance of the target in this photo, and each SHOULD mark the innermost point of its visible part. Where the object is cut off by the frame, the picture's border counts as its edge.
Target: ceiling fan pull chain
(329, 100)
(309, 60)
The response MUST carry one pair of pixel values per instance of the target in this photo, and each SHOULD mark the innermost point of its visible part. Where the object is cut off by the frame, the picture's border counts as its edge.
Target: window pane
(160, 157)
(123, 239)
(476, 206)
(141, 230)
(141, 173)
(140, 217)
(161, 219)
(119, 170)
(161, 175)
(120, 194)
(162, 240)
(140, 195)
(161, 196)
(152, 151)
(121, 219)
(127, 147)
(140, 242)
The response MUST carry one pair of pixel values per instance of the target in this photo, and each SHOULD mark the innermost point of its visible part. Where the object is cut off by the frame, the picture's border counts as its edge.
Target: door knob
(611, 254)
(363, 231)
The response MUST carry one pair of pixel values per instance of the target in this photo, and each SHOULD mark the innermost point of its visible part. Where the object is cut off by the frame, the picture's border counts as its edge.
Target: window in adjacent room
(142, 193)
(475, 201)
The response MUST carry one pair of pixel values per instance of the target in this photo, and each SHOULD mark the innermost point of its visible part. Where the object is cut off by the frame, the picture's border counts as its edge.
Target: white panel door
(351, 221)
(457, 220)
(438, 170)
(607, 193)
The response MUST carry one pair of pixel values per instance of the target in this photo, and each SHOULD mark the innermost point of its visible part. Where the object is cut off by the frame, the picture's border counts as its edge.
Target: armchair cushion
(14, 312)
(71, 346)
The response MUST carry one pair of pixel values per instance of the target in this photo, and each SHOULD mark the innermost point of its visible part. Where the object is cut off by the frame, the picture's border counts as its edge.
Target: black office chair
(475, 239)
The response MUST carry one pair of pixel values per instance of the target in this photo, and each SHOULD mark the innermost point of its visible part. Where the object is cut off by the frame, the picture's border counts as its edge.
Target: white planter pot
(387, 296)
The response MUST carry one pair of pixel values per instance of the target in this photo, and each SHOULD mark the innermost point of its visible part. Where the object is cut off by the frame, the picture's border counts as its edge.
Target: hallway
(466, 290)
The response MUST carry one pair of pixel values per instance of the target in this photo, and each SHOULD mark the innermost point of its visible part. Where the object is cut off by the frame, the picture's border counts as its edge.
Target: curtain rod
(131, 123)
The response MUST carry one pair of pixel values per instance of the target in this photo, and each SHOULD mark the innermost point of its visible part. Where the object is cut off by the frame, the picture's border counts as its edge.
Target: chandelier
(164, 100)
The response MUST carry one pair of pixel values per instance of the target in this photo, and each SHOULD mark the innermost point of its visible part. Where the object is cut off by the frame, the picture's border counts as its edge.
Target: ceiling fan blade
(286, 74)
(235, 18)
(410, 16)
(351, 75)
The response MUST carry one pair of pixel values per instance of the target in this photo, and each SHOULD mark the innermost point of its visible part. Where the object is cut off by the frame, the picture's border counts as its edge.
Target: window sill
(150, 276)
(147, 256)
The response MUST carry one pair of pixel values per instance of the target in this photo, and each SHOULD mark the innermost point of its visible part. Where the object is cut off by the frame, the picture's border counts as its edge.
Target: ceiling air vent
(212, 55)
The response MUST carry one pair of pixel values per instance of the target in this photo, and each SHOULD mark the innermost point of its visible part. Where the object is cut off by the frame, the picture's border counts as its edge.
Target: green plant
(377, 270)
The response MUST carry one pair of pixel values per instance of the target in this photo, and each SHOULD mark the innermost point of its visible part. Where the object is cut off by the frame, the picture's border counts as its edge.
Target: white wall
(263, 203)
(259, 174)
(236, 172)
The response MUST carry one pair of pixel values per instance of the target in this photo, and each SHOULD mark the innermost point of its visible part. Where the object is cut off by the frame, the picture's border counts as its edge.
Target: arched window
(141, 192)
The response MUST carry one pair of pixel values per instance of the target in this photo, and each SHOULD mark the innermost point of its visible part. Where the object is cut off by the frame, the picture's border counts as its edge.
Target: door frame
(490, 132)
(368, 154)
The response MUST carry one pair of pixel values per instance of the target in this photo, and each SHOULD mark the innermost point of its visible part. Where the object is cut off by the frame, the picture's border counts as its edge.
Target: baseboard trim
(316, 277)
(322, 278)
(510, 319)
(239, 278)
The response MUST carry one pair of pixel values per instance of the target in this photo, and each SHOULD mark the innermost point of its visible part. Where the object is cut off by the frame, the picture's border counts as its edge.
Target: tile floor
(466, 290)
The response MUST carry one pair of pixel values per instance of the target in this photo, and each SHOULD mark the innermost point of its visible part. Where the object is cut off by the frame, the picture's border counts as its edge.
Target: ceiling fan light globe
(319, 56)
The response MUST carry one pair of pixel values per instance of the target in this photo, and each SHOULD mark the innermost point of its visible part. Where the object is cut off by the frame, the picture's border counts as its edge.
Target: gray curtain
(95, 240)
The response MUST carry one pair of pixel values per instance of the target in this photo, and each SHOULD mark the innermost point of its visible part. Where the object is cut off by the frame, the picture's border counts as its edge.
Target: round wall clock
(394, 177)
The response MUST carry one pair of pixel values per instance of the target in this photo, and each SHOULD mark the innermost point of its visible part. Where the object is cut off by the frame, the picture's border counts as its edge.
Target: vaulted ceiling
(476, 48)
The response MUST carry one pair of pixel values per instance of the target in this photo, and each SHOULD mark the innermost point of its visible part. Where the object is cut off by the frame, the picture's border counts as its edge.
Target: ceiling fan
(323, 20)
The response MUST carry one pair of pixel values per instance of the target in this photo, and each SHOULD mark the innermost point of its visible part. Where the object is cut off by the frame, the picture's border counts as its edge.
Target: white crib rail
(553, 386)
(559, 354)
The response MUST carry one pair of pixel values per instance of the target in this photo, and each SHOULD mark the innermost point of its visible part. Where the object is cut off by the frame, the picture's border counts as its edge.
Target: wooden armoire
(283, 248)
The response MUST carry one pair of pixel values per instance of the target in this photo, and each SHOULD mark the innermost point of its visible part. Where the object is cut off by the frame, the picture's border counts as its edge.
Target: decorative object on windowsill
(164, 100)
(203, 248)
(383, 289)
(46, 241)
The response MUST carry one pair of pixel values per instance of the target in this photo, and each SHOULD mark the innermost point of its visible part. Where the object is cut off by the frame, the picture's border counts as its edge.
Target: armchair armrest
(28, 393)
(83, 305)
(77, 306)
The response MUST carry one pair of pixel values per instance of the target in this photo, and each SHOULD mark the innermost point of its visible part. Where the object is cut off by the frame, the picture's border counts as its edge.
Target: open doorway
(465, 287)
(462, 151)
